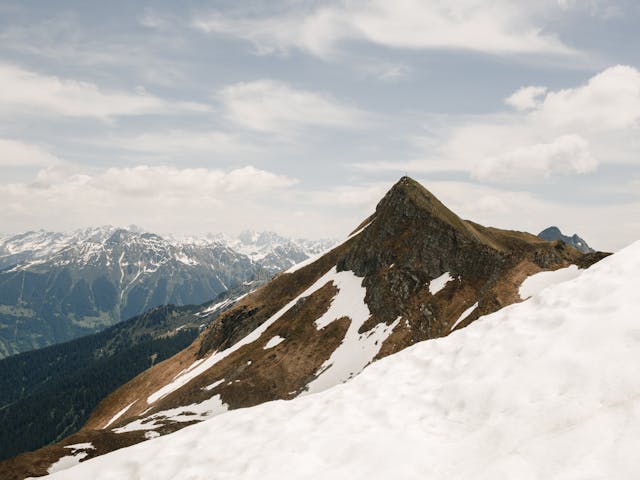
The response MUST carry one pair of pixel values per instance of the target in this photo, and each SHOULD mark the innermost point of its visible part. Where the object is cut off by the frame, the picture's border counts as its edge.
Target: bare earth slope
(412, 271)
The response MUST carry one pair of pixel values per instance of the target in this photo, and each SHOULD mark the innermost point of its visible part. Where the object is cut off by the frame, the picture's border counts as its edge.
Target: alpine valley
(56, 287)
(411, 273)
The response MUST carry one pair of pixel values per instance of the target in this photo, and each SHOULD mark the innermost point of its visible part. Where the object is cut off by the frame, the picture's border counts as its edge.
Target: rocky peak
(553, 233)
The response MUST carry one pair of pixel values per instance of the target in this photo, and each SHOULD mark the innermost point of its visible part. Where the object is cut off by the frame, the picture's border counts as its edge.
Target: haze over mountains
(55, 286)
(412, 271)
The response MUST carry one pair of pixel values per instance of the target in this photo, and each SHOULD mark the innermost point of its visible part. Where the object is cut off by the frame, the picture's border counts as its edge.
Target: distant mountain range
(553, 233)
(55, 287)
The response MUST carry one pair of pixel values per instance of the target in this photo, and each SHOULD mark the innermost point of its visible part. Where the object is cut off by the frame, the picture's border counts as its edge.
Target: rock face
(410, 272)
(554, 234)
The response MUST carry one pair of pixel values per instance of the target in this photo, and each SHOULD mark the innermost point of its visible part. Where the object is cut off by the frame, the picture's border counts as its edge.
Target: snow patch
(119, 414)
(81, 446)
(537, 282)
(66, 462)
(439, 283)
(213, 385)
(464, 315)
(188, 413)
(273, 341)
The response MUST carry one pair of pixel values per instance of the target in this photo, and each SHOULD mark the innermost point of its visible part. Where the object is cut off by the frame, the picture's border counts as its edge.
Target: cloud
(499, 27)
(524, 211)
(526, 98)
(184, 143)
(608, 101)
(565, 154)
(14, 153)
(163, 198)
(568, 131)
(271, 106)
(27, 92)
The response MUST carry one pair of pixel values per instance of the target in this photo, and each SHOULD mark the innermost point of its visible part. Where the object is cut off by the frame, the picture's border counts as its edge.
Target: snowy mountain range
(413, 271)
(55, 286)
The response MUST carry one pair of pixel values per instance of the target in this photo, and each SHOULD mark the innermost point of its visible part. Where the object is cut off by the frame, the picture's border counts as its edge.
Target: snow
(537, 282)
(360, 230)
(439, 283)
(213, 385)
(119, 414)
(348, 302)
(81, 446)
(66, 462)
(209, 362)
(182, 258)
(304, 263)
(465, 314)
(543, 389)
(356, 350)
(273, 341)
(354, 353)
(187, 413)
(223, 303)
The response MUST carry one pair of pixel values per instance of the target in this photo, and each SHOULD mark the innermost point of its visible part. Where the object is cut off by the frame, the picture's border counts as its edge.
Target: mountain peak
(408, 199)
(554, 233)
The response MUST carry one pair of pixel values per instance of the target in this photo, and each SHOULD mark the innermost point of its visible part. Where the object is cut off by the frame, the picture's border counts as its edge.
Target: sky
(297, 116)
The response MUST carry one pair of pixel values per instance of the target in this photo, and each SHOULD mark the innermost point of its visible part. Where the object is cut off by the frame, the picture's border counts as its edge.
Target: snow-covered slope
(544, 389)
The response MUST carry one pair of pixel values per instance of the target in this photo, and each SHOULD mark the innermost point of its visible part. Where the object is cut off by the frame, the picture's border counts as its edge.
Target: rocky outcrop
(554, 233)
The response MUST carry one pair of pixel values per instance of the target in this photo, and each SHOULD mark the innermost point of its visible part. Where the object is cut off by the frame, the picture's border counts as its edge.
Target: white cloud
(566, 131)
(526, 97)
(163, 198)
(14, 153)
(498, 27)
(270, 106)
(565, 154)
(27, 92)
(608, 101)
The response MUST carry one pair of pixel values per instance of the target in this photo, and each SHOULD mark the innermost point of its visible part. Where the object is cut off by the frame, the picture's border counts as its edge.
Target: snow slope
(544, 389)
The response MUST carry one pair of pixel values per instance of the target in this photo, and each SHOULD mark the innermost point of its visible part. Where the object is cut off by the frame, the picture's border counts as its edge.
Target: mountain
(545, 389)
(277, 253)
(48, 394)
(412, 271)
(554, 233)
(55, 287)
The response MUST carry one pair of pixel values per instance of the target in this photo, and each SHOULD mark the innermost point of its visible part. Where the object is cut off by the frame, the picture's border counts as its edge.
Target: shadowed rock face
(553, 234)
(397, 255)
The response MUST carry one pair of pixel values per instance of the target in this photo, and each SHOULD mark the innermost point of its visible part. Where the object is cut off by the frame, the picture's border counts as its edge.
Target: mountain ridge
(69, 285)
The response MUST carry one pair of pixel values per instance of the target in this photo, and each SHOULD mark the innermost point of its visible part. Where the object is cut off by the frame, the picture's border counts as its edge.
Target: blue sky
(297, 116)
